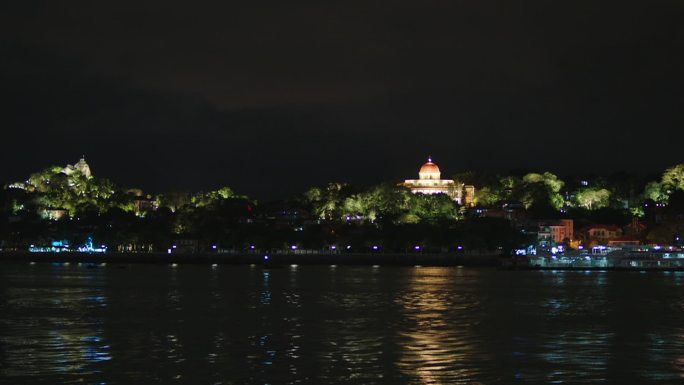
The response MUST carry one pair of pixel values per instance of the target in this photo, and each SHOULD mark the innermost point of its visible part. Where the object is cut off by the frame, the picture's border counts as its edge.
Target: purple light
(375, 247)
(293, 247)
(459, 247)
(333, 247)
(417, 247)
(265, 257)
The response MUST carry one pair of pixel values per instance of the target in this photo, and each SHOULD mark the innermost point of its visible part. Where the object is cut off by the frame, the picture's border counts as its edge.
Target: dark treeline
(57, 204)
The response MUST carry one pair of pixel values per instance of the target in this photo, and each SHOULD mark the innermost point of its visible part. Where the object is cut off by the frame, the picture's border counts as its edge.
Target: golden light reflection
(678, 361)
(56, 342)
(431, 350)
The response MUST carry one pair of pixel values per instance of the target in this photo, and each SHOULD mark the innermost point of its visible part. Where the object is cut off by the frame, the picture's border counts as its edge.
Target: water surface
(319, 324)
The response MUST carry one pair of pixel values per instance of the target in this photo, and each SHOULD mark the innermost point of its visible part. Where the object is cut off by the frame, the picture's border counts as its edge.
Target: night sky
(271, 97)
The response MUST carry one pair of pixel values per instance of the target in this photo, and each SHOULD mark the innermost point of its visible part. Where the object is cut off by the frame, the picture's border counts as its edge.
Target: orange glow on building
(430, 182)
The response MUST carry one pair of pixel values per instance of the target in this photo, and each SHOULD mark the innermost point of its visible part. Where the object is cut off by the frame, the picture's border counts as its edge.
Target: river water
(198, 324)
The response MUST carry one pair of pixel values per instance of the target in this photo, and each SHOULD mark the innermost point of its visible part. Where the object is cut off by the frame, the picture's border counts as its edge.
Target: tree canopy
(384, 203)
(593, 198)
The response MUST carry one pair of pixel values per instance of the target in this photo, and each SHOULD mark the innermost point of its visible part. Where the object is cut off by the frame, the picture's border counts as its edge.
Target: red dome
(429, 168)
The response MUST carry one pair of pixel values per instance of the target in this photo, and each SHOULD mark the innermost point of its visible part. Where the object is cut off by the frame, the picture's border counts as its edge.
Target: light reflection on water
(438, 343)
(365, 325)
(52, 330)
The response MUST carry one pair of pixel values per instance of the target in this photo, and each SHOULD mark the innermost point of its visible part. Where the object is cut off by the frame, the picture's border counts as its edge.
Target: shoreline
(389, 259)
(286, 259)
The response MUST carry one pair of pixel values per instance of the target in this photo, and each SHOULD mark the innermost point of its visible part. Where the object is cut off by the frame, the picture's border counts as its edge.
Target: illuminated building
(81, 166)
(555, 231)
(53, 214)
(600, 234)
(430, 182)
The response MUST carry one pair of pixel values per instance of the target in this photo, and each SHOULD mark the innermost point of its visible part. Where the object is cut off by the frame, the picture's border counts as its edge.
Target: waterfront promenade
(274, 259)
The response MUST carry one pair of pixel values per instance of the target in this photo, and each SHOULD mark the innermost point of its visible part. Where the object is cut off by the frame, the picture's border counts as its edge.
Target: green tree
(384, 202)
(76, 193)
(593, 198)
(673, 178)
(432, 208)
(487, 196)
(203, 199)
(550, 180)
(509, 184)
(174, 200)
(327, 202)
(540, 190)
(656, 191)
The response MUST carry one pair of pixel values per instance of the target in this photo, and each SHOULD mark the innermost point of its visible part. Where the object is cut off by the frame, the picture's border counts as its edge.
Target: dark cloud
(271, 97)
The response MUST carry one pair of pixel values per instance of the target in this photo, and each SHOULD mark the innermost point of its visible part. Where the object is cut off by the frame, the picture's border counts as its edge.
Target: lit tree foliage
(213, 197)
(76, 193)
(487, 196)
(673, 178)
(382, 204)
(671, 181)
(593, 198)
(386, 202)
(509, 183)
(327, 201)
(174, 200)
(637, 212)
(431, 208)
(540, 190)
(656, 192)
(550, 180)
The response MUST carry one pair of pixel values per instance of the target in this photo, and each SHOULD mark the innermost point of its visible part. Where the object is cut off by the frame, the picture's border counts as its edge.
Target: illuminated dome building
(430, 182)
